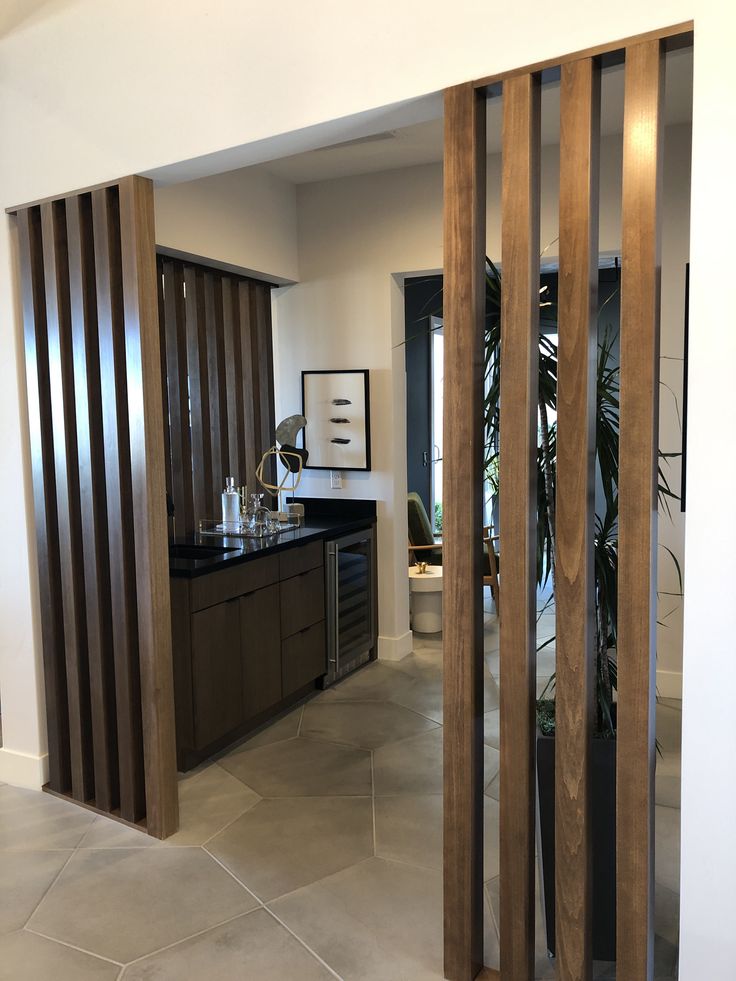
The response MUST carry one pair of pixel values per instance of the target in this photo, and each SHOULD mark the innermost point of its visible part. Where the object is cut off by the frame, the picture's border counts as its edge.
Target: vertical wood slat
(121, 541)
(575, 509)
(213, 343)
(90, 447)
(518, 517)
(640, 290)
(249, 378)
(198, 390)
(44, 497)
(231, 346)
(180, 437)
(160, 286)
(63, 413)
(145, 412)
(464, 300)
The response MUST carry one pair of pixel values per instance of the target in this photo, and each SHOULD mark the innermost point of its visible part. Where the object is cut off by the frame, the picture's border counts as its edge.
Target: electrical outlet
(336, 479)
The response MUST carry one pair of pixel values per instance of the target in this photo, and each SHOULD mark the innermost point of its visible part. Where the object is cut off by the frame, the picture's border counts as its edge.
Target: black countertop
(321, 524)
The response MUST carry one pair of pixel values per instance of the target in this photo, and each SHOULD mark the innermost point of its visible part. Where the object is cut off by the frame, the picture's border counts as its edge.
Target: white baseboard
(669, 684)
(395, 648)
(23, 770)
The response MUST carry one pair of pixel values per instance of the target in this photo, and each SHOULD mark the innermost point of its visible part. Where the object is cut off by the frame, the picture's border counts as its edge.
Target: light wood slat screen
(96, 424)
(575, 507)
(638, 442)
(575, 511)
(518, 517)
(464, 265)
(217, 354)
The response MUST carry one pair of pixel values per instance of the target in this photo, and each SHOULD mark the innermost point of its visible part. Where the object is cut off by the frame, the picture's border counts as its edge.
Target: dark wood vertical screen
(575, 510)
(518, 517)
(218, 356)
(464, 271)
(639, 431)
(95, 411)
(574, 579)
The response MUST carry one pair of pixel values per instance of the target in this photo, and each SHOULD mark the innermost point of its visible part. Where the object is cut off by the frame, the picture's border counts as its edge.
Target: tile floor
(312, 850)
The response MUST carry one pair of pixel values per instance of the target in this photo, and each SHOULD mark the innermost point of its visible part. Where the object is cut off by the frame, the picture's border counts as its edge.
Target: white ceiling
(421, 143)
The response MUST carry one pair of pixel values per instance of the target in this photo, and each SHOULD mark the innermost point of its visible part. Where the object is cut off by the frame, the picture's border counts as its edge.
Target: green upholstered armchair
(422, 544)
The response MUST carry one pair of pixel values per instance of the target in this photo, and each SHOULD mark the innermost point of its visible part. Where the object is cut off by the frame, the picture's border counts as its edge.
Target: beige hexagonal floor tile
(413, 766)
(377, 921)
(209, 799)
(302, 768)
(367, 725)
(281, 845)
(25, 877)
(125, 903)
(252, 946)
(25, 956)
(30, 819)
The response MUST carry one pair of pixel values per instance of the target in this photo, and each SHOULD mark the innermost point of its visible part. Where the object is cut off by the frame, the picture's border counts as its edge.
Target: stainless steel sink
(193, 551)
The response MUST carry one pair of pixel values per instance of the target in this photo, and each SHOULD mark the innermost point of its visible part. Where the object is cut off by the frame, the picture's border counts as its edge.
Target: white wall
(244, 218)
(91, 90)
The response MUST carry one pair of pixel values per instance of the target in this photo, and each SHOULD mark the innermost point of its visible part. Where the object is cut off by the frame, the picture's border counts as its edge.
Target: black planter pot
(604, 841)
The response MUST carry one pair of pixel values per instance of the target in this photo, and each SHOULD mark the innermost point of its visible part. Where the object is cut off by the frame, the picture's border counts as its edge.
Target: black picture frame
(337, 465)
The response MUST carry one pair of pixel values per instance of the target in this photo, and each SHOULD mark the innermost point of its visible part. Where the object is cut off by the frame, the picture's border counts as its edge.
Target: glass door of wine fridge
(351, 602)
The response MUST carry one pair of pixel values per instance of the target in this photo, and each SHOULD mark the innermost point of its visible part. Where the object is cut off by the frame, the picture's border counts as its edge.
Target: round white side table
(426, 599)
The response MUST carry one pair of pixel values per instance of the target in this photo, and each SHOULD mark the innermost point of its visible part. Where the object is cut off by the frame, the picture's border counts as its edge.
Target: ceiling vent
(390, 134)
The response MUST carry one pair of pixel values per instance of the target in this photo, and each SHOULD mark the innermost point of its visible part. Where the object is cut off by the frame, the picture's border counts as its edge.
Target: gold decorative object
(281, 456)
(422, 568)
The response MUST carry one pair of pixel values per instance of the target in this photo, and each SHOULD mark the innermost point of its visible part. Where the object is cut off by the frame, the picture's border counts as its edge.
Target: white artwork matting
(329, 398)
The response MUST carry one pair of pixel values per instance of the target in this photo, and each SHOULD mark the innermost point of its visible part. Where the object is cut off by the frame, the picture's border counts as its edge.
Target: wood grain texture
(117, 482)
(66, 464)
(44, 496)
(216, 331)
(575, 510)
(148, 482)
(93, 504)
(518, 517)
(639, 398)
(464, 299)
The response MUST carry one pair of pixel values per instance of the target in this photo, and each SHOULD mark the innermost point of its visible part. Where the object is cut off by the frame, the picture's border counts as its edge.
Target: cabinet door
(304, 657)
(217, 681)
(260, 650)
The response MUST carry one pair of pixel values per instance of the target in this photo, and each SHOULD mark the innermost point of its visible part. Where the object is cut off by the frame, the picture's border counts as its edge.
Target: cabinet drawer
(217, 682)
(303, 658)
(302, 601)
(300, 559)
(217, 587)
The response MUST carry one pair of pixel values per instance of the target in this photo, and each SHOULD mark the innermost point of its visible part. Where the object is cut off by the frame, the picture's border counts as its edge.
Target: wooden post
(464, 298)
(575, 510)
(518, 517)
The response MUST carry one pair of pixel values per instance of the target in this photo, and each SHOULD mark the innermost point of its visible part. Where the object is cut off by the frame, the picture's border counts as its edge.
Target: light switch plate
(336, 479)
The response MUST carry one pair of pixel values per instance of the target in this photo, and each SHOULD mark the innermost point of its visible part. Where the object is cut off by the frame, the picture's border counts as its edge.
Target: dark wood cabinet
(248, 641)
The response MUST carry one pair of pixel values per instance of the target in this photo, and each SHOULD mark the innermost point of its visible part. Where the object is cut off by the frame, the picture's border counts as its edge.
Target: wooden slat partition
(518, 518)
(216, 333)
(640, 291)
(575, 510)
(94, 397)
(44, 497)
(464, 272)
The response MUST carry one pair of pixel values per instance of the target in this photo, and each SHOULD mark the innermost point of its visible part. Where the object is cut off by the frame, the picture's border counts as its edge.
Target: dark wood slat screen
(217, 337)
(638, 442)
(518, 517)
(89, 290)
(575, 510)
(464, 271)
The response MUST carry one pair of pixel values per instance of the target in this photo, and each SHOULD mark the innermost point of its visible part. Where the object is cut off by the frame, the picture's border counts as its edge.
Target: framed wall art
(336, 405)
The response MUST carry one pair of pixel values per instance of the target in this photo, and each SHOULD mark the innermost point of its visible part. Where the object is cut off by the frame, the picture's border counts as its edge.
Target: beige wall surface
(93, 90)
